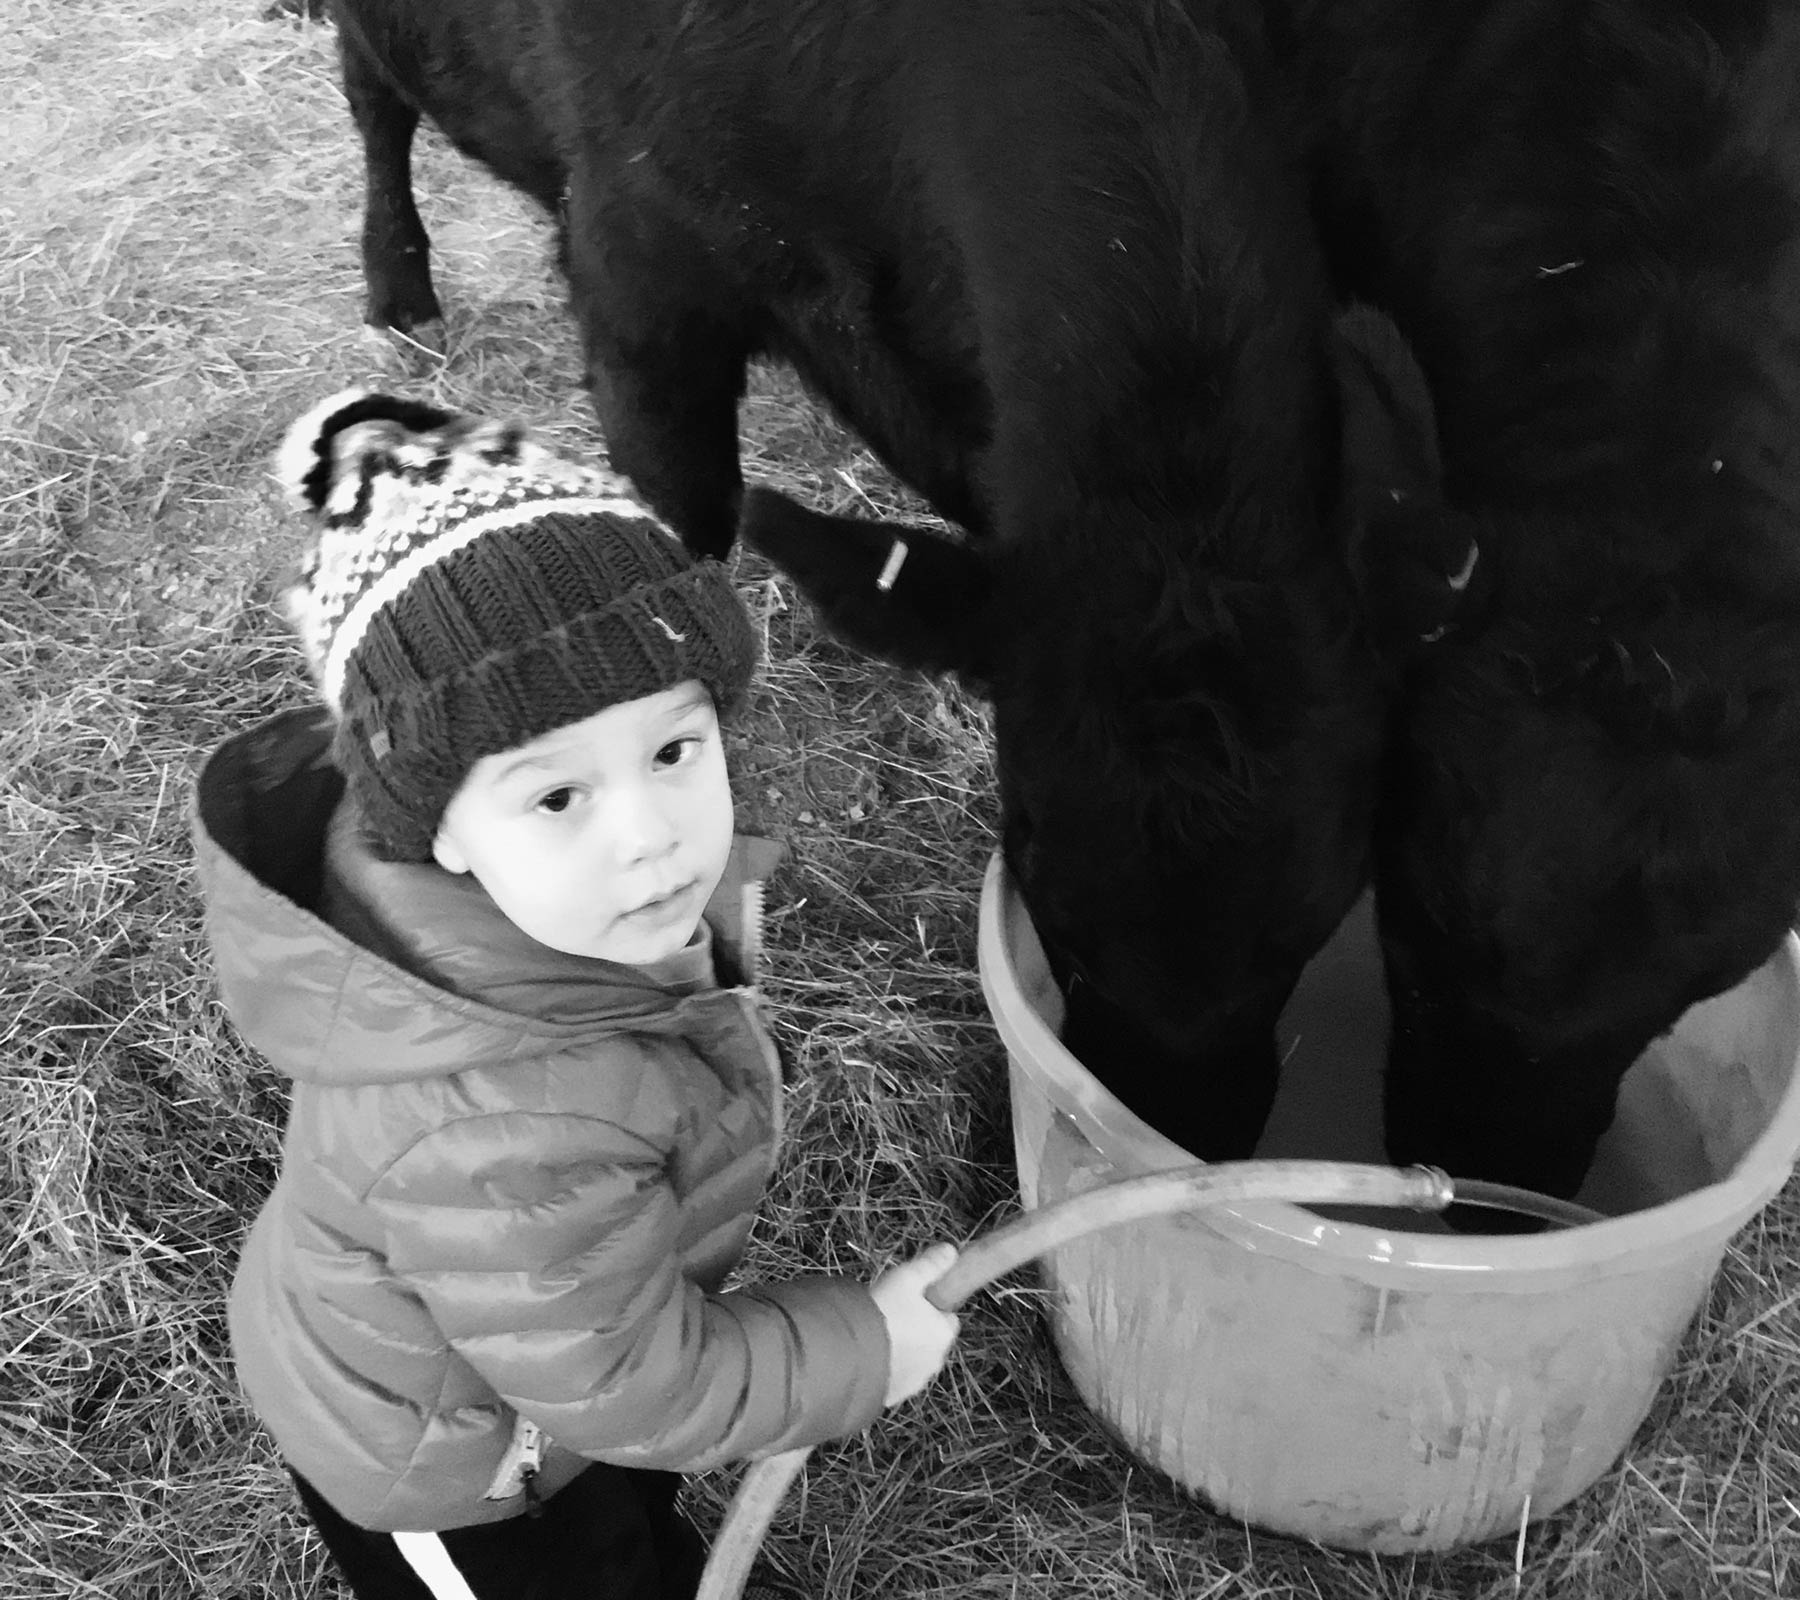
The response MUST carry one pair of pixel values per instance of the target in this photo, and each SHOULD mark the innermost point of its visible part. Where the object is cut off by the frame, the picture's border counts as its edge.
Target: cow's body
(1585, 216)
(1052, 264)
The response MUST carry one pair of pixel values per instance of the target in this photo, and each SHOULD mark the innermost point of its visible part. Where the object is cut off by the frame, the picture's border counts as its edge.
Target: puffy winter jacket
(512, 1182)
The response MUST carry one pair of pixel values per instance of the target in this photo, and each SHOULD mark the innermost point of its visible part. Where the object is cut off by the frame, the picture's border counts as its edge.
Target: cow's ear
(906, 594)
(1415, 559)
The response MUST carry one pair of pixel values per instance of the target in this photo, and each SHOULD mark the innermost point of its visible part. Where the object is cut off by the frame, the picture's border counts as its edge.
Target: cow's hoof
(409, 354)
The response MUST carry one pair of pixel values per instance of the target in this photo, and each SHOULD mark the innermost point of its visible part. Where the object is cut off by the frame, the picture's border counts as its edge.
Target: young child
(486, 910)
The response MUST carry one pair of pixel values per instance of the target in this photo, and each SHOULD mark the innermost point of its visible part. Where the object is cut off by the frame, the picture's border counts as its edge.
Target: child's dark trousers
(613, 1532)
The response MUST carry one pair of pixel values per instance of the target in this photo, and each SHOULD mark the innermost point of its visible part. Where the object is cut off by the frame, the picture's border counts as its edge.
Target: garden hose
(1034, 1233)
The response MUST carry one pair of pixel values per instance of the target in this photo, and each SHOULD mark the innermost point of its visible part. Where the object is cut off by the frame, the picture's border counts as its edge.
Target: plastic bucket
(1372, 1384)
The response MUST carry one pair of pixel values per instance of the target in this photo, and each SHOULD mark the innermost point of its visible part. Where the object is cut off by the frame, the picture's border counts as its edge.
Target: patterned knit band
(470, 590)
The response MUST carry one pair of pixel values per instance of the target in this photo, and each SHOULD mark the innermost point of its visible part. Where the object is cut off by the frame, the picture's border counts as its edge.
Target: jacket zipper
(751, 940)
(520, 1466)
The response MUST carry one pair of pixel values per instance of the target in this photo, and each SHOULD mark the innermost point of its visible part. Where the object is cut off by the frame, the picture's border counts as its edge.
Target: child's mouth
(661, 905)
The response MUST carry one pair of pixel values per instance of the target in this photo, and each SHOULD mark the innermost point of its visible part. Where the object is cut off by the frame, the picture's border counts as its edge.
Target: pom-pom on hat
(470, 589)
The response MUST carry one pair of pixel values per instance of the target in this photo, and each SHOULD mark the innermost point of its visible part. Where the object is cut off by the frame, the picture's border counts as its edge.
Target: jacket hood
(322, 1006)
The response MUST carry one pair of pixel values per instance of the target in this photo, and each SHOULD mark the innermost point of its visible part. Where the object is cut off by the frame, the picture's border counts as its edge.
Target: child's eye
(557, 800)
(677, 751)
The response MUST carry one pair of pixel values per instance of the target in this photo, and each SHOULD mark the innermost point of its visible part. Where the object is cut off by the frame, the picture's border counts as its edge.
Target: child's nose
(642, 826)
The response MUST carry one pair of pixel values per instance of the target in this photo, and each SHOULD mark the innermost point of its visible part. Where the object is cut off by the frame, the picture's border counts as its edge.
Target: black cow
(1053, 262)
(1585, 216)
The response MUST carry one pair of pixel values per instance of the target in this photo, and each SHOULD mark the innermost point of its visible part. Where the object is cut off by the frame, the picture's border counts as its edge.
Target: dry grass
(178, 202)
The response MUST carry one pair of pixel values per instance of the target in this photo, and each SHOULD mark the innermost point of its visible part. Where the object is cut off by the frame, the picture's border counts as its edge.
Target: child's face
(606, 837)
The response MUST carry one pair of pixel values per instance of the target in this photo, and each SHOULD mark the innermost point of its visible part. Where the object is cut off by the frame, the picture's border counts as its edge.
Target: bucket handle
(1034, 1233)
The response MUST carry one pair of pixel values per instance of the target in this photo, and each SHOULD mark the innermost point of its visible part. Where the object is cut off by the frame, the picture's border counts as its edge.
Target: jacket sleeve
(544, 1246)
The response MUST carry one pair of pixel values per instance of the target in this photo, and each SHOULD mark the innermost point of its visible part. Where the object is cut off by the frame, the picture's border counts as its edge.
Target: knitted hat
(470, 590)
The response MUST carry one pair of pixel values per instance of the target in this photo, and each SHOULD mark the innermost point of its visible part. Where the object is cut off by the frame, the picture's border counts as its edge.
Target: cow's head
(1124, 748)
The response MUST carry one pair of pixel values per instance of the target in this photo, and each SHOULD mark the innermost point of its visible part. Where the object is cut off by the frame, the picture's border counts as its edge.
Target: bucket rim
(1701, 1220)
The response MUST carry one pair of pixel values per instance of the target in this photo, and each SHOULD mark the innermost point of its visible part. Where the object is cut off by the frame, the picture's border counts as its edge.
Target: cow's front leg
(396, 253)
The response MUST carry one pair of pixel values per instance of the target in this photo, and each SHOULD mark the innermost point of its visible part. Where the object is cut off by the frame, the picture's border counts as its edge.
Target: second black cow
(1585, 216)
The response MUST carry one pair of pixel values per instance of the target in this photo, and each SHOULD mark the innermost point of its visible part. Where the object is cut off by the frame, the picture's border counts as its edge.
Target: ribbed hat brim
(406, 756)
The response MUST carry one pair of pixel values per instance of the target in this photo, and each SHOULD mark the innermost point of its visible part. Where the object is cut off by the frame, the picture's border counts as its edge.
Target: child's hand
(919, 1335)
